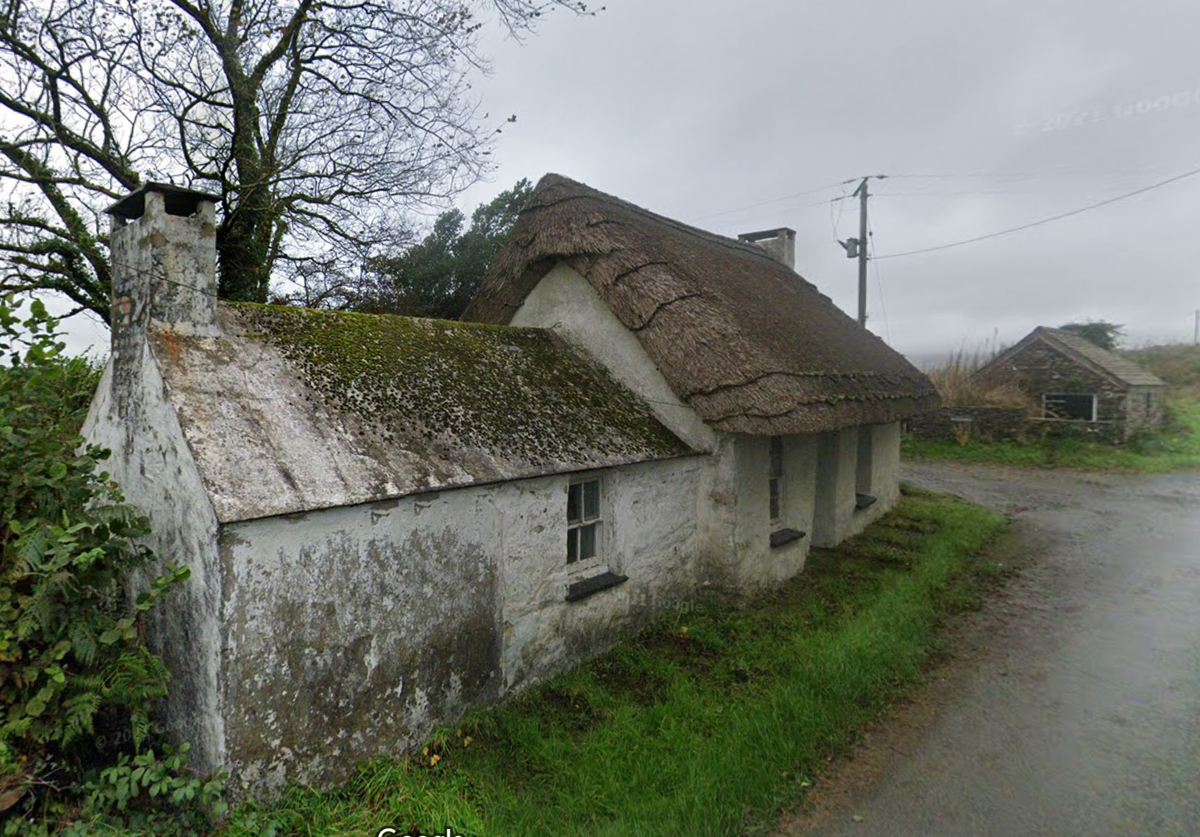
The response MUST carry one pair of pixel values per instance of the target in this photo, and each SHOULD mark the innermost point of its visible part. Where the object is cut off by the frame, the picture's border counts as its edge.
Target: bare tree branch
(313, 120)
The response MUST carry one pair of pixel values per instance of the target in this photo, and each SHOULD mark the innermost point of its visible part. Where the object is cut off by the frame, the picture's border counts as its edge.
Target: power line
(1062, 171)
(1032, 224)
(158, 277)
(887, 328)
(773, 200)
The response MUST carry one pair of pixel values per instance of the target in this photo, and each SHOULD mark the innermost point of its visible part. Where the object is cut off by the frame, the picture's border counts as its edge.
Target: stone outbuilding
(1078, 385)
(391, 520)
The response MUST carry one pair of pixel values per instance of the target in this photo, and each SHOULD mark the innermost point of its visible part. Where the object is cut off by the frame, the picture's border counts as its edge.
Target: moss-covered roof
(294, 409)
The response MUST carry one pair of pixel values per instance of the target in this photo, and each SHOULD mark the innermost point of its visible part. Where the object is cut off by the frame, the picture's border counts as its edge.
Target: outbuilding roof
(1083, 350)
(291, 410)
(749, 344)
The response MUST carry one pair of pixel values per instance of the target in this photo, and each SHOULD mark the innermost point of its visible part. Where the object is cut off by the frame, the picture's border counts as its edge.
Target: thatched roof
(749, 344)
(291, 410)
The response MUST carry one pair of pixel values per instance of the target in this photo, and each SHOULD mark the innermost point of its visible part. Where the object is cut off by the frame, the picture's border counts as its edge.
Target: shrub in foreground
(77, 682)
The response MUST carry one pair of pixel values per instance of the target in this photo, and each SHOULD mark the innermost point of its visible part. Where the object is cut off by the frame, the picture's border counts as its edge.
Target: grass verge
(1176, 446)
(708, 724)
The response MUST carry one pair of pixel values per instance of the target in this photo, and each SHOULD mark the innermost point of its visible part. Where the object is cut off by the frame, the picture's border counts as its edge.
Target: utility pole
(862, 251)
(856, 248)
(1196, 330)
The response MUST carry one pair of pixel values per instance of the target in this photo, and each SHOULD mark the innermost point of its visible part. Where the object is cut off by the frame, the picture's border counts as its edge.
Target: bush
(73, 661)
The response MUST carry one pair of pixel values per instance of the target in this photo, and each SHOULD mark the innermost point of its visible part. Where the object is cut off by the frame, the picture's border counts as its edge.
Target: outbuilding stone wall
(1039, 369)
(987, 424)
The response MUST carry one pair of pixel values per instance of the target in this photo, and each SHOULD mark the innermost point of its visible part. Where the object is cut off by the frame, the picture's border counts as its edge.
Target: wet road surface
(1077, 710)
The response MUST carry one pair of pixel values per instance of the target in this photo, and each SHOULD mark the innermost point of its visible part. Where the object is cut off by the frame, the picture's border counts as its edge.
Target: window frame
(589, 517)
(1047, 397)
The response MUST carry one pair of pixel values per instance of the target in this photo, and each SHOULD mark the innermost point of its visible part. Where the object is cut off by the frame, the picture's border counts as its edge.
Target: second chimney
(779, 243)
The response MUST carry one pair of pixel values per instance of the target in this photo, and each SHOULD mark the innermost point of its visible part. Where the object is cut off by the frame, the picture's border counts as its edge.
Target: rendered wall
(839, 480)
(883, 477)
(837, 460)
(756, 565)
(155, 470)
(350, 632)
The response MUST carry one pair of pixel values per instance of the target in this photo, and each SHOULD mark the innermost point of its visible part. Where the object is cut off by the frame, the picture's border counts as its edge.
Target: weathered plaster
(348, 633)
(152, 464)
(756, 564)
(837, 461)
(882, 478)
(648, 534)
(164, 268)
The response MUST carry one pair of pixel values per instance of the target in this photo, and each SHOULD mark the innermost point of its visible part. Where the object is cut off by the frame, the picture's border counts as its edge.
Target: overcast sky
(705, 110)
(739, 116)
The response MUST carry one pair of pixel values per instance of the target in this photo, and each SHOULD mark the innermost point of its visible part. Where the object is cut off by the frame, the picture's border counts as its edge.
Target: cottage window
(864, 469)
(1069, 406)
(583, 520)
(775, 478)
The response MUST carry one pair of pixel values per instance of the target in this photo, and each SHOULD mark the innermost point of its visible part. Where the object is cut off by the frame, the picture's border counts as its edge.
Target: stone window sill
(864, 501)
(579, 590)
(782, 537)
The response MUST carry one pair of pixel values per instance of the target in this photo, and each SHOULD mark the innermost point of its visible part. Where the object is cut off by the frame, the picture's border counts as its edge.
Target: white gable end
(565, 303)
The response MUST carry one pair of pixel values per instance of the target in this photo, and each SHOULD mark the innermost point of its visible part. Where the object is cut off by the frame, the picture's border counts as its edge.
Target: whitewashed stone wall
(350, 632)
(153, 466)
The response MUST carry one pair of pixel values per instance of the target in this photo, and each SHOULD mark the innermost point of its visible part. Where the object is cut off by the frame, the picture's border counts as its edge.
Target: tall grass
(1178, 365)
(956, 384)
(707, 724)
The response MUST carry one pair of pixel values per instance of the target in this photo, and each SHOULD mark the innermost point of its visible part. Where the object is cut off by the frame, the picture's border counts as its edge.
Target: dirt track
(1072, 704)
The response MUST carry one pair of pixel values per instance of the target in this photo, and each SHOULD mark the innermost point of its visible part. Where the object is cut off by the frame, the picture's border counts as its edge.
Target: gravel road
(1073, 707)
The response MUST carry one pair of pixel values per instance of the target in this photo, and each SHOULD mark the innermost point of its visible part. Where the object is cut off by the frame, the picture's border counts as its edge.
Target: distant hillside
(1178, 365)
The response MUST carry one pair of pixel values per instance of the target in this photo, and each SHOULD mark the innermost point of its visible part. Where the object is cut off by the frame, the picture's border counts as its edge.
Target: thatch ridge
(748, 343)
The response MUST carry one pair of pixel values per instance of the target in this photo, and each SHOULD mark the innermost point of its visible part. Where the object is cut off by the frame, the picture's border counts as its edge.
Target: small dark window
(1069, 406)
(864, 471)
(583, 520)
(775, 478)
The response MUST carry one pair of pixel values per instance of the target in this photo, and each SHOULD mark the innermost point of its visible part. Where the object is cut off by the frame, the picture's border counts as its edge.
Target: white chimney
(164, 260)
(779, 243)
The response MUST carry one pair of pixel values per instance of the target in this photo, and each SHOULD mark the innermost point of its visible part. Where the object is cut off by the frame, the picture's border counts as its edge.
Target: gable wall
(565, 303)
(154, 467)
(350, 632)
